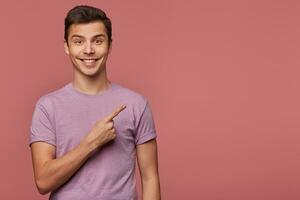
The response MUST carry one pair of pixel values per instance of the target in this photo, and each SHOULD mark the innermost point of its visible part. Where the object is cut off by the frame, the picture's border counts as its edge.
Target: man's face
(88, 47)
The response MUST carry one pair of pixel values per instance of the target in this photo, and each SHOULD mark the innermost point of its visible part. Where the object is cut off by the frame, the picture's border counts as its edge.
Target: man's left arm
(148, 166)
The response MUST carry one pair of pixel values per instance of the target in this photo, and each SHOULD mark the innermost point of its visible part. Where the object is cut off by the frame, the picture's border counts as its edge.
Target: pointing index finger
(115, 113)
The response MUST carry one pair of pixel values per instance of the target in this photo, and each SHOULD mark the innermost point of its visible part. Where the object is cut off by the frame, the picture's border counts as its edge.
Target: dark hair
(85, 14)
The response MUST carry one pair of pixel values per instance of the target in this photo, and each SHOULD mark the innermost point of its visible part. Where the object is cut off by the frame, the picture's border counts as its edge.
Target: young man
(86, 135)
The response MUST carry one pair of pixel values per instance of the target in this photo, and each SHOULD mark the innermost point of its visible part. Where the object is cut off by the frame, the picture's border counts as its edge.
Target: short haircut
(83, 14)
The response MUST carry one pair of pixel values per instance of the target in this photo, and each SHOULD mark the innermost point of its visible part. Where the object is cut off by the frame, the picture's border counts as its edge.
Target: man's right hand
(103, 131)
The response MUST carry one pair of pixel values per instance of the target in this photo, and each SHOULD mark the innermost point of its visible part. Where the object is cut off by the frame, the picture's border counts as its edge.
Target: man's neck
(90, 85)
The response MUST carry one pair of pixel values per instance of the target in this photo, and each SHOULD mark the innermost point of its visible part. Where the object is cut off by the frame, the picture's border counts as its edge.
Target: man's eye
(98, 41)
(78, 42)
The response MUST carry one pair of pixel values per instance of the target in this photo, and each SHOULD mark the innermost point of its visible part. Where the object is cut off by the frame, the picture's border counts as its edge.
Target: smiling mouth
(89, 60)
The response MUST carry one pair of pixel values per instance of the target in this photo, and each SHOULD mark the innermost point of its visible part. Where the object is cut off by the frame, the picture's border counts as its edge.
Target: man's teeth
(89, 60)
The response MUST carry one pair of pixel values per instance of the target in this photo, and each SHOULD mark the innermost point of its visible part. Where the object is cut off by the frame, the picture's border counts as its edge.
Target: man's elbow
(42, 187)
(150, 177)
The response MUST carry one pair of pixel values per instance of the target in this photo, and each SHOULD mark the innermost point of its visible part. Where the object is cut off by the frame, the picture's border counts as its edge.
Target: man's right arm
(50, 173)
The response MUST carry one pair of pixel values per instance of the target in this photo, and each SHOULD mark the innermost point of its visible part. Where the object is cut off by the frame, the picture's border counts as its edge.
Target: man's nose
(89, 48)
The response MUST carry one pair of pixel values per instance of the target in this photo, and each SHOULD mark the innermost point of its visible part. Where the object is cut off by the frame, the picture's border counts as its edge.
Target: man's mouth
(89, 60)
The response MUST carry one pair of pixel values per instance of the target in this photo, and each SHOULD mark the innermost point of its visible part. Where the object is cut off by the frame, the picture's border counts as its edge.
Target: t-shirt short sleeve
(42, 128)
(145, 130)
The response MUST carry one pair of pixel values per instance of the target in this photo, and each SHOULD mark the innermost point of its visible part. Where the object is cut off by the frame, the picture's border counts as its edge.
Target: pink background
(222, 78)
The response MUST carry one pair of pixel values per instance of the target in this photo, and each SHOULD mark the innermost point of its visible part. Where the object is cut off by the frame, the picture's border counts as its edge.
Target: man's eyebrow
(100, 35)
(75, 35)
(80, 36)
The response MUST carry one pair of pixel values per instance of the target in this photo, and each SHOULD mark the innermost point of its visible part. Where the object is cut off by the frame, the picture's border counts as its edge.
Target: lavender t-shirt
(63, 117)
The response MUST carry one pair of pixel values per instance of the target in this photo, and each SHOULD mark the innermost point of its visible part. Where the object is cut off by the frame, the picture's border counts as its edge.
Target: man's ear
(66, 47)
(110, 47)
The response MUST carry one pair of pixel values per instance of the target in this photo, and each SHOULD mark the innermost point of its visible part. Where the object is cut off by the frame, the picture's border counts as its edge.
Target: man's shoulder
(46, 99)
(120, 91)
(130, 94)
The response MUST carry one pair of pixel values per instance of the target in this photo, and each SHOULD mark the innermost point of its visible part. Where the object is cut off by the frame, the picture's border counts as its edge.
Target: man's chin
(91, 72)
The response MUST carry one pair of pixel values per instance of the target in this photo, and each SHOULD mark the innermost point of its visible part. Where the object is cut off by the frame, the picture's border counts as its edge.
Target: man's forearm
(151, 189)
(57, 171)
